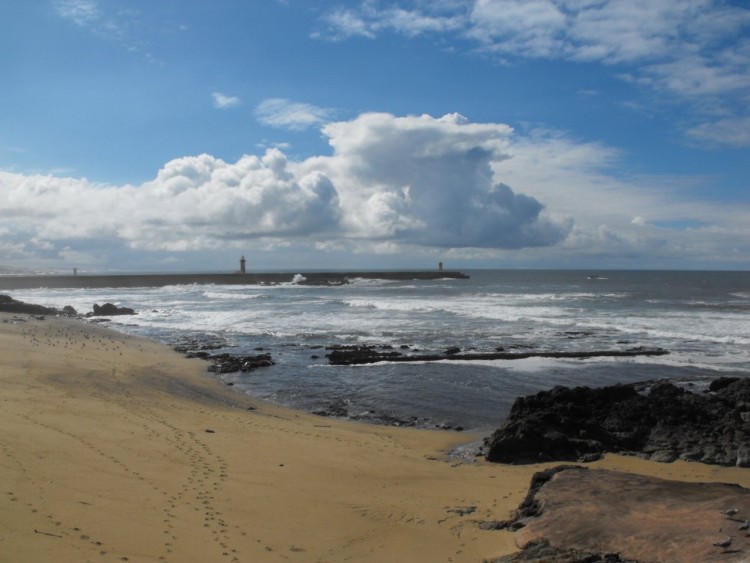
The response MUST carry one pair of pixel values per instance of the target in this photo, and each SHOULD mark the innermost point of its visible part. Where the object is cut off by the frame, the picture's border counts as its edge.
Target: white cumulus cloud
(416, 180)
(429, 181)
(404, 185)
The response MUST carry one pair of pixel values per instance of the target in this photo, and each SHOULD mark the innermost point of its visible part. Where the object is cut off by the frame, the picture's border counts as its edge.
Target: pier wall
(161, 280)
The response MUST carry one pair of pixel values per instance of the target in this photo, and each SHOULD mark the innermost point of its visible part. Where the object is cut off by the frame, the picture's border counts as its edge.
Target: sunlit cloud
(694, 49)
(369, 21)
(393, 184)
(287, 114)
(81, 12)
(222, 101)
(731, 132)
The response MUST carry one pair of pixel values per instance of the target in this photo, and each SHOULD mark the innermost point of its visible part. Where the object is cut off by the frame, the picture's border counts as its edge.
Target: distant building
(440, 266)
(242, 265)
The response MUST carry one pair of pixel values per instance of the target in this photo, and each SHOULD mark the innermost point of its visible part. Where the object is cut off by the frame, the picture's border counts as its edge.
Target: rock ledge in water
(110, 310)
(10, 305)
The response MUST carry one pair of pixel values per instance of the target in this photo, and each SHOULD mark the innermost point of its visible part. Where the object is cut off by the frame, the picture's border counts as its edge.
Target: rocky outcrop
(110, 310)
(227, 363)
(367, 355)
(10, 305)
(341, 409)
(662, 422)
(542, 552)
(354, 355)
(574, 514)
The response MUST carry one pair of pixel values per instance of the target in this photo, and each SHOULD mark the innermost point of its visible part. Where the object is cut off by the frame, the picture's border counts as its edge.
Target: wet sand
(115, 448)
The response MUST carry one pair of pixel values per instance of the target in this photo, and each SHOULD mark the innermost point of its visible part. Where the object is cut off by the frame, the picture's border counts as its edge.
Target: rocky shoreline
(575, 515)
(358, 355)
(10, 305)
(655, 420)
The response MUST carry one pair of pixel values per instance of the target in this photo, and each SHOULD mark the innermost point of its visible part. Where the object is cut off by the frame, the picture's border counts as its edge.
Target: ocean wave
(562, 296)
(391, 305)
(369, 282)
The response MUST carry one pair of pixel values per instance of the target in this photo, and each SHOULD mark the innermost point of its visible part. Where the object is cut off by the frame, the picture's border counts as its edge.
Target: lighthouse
(242, 265)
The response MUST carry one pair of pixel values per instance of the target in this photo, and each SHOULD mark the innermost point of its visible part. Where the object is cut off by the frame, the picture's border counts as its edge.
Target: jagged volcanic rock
(665, 424)
(110, 310)
(10, 305)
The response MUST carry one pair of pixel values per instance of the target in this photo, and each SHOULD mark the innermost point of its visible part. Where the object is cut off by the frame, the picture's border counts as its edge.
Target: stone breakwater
(161, 280)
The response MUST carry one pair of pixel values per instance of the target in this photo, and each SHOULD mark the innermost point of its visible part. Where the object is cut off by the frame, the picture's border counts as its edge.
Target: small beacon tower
(242, 265)
(440, 266)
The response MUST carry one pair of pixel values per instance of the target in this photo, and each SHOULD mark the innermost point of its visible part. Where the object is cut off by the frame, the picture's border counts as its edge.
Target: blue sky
(181, 134)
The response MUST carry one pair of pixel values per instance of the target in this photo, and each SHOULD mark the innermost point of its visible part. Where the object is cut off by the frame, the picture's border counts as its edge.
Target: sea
(701, 318)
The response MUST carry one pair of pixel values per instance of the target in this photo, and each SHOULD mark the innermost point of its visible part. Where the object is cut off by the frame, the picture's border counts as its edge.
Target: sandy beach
(115, 448)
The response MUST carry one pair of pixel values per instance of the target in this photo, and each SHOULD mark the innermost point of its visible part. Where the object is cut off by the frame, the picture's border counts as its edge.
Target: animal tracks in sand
(128, 462)
(107, 426)
(26, 504)
(390, 515)
(144, 459)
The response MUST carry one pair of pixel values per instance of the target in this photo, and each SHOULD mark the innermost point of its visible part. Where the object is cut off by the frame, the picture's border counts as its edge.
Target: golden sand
(116, 448)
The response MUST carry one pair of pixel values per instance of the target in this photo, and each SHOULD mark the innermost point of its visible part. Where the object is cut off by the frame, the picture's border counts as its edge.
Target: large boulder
(110, 310)
(664, 423)
(575, 515)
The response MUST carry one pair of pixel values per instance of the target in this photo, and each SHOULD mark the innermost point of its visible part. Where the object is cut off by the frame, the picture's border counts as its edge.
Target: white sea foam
(523, 365)
(536, 297)
(367, 282)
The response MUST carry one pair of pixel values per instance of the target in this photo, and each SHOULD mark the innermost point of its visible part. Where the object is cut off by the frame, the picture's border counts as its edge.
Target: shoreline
(117, 444)
(118, 447)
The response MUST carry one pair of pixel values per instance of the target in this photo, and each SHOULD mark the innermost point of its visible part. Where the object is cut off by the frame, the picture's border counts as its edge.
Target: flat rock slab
(641, 518)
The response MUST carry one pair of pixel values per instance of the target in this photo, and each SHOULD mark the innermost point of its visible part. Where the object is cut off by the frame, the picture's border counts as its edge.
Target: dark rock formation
(227, 363)
(664, 424)
(110, 310)
(10, 305)
(192, 345)
(368, 355)
(578, 514)
(197, 346)
(542, 552)
(337, 409)
(363, 355)
(340, 409)
(69, 311)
